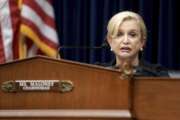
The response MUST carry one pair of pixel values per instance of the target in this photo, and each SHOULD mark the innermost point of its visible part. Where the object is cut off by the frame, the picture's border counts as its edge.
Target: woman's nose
(126, 39)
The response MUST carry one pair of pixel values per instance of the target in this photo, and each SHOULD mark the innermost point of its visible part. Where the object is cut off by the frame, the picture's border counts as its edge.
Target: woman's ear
(109, 40)
(143, 43)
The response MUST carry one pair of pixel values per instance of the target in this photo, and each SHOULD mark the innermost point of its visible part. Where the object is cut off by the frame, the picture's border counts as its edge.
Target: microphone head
(105, 44)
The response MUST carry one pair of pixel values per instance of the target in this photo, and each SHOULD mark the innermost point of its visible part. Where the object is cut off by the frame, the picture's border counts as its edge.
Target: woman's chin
(125, 55)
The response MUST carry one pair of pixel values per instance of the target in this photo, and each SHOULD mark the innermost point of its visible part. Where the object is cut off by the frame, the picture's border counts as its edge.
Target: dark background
(82, 23)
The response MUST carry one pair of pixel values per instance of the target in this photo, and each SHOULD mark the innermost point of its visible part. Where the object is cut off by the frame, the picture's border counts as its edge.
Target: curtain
(82, 25)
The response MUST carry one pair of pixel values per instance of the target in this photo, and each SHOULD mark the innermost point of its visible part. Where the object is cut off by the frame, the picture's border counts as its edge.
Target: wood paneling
(94, 87)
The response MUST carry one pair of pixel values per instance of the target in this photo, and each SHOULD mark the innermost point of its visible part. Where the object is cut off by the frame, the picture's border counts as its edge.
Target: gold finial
(126, 70)
(9, 86)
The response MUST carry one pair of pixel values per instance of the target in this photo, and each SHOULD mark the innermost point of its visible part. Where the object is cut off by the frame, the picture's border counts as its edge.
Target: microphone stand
(81, 47)
(104, 45)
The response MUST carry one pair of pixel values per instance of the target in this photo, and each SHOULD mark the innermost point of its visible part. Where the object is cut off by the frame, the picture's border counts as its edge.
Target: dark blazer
(154, 70)
(147, 69)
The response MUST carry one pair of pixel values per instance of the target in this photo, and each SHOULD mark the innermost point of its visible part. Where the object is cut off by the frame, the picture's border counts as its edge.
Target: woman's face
(128, 41)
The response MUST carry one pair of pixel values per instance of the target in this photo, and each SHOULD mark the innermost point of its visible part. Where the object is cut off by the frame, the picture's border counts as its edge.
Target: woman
(127, 36)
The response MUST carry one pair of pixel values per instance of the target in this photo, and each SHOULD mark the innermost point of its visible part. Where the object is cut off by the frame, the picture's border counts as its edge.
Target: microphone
(80, 47)
(104, 45)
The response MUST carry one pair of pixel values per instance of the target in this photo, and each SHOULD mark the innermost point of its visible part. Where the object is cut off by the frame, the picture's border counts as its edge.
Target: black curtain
(82, 25)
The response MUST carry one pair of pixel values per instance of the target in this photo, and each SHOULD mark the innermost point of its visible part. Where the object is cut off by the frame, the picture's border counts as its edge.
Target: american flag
(9, 28)
(34, 30)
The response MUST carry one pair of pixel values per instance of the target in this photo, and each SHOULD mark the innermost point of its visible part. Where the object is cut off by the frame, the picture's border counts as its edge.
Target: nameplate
(37, 85)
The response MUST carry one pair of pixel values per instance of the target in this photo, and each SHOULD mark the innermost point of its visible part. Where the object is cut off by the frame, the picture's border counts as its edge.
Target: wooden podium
(95, 92)
(42, 88)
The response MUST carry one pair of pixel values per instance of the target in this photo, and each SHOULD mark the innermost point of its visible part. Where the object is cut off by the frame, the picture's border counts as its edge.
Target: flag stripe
(38, 33)
(48, 19)
(32, 50)
(46, 7)
(34, 37)
(2, 56)
(6, 30)
(15, 18)
(44, 29)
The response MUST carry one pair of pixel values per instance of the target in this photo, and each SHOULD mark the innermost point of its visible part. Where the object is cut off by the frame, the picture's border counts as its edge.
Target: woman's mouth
(125, 49)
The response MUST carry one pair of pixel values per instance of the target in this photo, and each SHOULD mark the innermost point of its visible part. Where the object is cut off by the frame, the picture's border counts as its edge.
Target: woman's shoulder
(147, 69)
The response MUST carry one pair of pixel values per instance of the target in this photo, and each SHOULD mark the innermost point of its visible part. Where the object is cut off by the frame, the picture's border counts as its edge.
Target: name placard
(37, 85)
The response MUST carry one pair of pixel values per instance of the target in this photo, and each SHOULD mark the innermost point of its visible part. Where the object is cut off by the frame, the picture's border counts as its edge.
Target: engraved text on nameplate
(37, 85)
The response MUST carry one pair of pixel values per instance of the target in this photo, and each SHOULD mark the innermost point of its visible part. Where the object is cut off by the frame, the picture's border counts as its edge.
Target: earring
(141, 49)
(111, 49)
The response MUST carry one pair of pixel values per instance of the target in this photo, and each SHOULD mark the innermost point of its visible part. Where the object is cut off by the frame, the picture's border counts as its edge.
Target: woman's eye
(133, 34)
(119, 34)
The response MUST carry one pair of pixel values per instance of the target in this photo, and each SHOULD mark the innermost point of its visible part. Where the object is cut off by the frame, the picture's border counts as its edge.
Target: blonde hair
(119, 18)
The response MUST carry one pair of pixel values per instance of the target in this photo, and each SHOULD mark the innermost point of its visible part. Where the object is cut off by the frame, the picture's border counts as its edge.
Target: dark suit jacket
(154, 70)
(147, 69)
